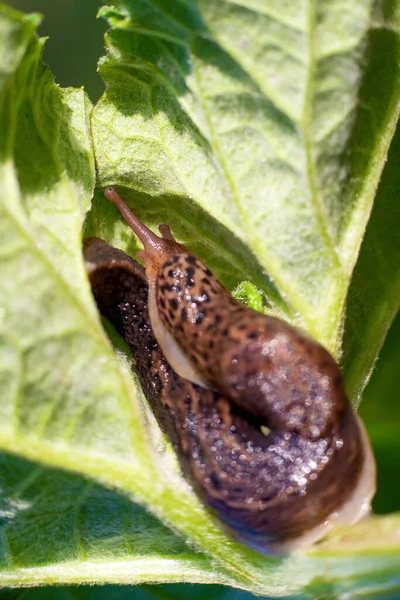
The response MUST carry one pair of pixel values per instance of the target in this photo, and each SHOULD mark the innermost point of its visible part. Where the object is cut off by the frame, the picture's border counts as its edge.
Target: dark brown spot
(173, 303)
(183, 314)
(197, 319)
(215, 481)
(252, 335)
(190, 259)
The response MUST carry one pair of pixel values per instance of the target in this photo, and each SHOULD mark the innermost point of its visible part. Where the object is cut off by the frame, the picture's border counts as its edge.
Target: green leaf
(261, 117)
(61, 527)
(65, 400)
(373, 298)
(260, 133)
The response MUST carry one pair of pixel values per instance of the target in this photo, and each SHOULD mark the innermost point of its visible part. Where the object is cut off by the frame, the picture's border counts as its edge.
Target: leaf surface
(254, 129)
(257, 117)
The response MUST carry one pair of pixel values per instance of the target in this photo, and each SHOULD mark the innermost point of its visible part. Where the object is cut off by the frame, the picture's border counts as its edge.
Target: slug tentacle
(165, 231)
(256, 409)
(156, 249)
(145, 235)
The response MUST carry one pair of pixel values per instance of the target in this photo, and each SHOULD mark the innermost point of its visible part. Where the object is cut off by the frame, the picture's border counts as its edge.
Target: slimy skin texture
(256, 409)
(269, 368)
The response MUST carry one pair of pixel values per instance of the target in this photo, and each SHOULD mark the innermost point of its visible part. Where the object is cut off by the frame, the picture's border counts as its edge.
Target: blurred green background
(75, 44)
(75, 41)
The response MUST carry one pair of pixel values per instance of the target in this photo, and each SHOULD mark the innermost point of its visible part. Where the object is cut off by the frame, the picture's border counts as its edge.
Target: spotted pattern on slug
(269, 367)
(268, 490)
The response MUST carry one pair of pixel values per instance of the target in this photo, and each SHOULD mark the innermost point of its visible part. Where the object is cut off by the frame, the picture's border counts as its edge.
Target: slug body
(256, 409)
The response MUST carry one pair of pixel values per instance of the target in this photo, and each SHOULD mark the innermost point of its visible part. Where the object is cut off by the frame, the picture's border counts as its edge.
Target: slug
(256, 409)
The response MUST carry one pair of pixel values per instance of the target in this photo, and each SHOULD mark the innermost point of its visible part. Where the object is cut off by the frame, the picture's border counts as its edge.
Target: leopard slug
(256, 410)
